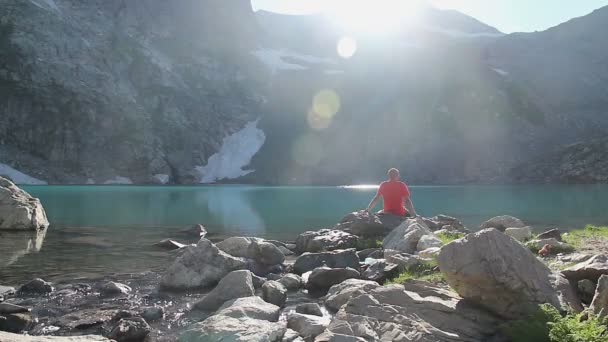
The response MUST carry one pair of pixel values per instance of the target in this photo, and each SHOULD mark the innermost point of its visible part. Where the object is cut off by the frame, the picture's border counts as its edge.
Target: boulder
(327, 336)
(550, 234)
(19, 210)
(496, 272)
(403, 261)
(430, 253)
(292, 282)
(556, 246)
(309, 309)
(8, 337)
(325, 240)
(363, 223)
(36, 286)
(428, 241)
(250, 307)
(339, 294)
(322, 278)
(200, 266)
(132, 329)
(8, 308)
(590, 269)
(274, 292)
(307, 326)
(390, 313)
(502, 223)
(440, 221)
(153, 313)
(599, 304)
(292, 336)
(379, 270)
(16, 322)
(520, 234)
(111, 289)
(6, 291)
(586, 290)
(169, 244)
(375, 253)
(335, 259)
(221, 328)
(257, 281)
(406, 236)
(256, 249)
(235, 284)
(566, 293)
(198, 231)
(237, 246)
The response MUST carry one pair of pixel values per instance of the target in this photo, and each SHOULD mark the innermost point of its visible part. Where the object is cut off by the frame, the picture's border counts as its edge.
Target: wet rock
(335, 259)
(169, 244)
(200, 266)
(133, 329)
(374, 253)
(8, 337)
(250, 307)
(556, 246)
(197, 230)
(325, 240)
(120, 314)
(36, 286)
(550, 234)
(6, 291)
(235, 284)
(112, 289)
(502, 223)
(339, 294)
(153, 313)
(309, 309)
(306, 325)
(405, 238)
(16, 322)
(221, 328)
(428, 241)
(19, 210)
(292, 282)
(380, 270)
(520, 234)
(274, 292)
(7, 308)
(85, 319)
(590, 269)
(494, 271)
(586, 290)
(362, 223)
(599, 304)
(322, 278)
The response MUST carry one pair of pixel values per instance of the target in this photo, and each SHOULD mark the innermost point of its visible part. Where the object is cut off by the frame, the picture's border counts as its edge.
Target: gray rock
(16, 322)
(335, 259)
(325, 240)
(428, 241)
(339, 294)
(257, 281)
(169, 244)
(549, 234)
(19, 210)
(274, 292)
(309, 309)
(36, 286)
(132, 329)
(292, 282)
(520, 234)
(374, 253)
(331, 337)
(496, 272)
(556, 246)
(257, 249)
(7, 308)
(286, 251)
(380, 270)
(450, 223)
(430, 253)
(237, 246)
(322, 278)
(220, 328)
(153, 313)
(87, 318)
(111, 289)
(6, 291)
(9, 337)
(235, 284)
(599, 304)
(590, 269)
(306, 325)
(291, 336)
(502, 223)
(405, 238)
(362, 223)
(586, 290)
(403, 261)
(197, 230)
(250, 307)
(200, 266)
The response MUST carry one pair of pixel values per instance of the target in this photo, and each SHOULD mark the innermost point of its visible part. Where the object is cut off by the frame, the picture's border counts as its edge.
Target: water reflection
(14, 245)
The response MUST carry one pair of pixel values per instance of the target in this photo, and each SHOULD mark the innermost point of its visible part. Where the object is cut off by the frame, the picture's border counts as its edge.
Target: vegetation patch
(428, 271)
(368, 243)
(546, 324)
(447, 237)
(584, 237)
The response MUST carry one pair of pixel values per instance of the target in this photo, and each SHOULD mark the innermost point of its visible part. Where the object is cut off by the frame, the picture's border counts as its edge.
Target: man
(395, 196)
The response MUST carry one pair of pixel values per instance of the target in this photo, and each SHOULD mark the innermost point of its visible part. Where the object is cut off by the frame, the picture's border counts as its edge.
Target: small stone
(153, 313)
(7, 308)
(37, 286)
(292, 282)
(502, 223)
(309, 309)
(112, 289)
(133, 329)
(552, 233)
(274, 292)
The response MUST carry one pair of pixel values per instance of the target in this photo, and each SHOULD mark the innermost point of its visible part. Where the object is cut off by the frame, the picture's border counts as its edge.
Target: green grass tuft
(578, 238)
(368, 243)
(448, 237)
(428, 271)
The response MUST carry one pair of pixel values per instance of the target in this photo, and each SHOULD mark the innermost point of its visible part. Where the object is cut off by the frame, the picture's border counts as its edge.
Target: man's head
(393, 174)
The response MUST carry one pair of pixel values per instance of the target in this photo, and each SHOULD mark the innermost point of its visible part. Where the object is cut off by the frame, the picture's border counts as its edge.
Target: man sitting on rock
(395, 197)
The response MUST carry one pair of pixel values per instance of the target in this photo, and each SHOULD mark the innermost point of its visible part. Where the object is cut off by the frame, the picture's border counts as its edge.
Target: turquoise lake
(97, 231)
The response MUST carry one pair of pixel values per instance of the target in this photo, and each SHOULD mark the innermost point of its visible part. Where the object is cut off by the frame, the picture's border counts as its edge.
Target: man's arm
(407, 202)
(374, 201)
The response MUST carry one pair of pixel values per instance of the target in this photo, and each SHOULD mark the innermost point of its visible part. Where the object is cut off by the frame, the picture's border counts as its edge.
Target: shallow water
(100, 230)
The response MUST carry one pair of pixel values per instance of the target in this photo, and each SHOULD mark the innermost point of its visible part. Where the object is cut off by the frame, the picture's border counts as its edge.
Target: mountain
(202, 91)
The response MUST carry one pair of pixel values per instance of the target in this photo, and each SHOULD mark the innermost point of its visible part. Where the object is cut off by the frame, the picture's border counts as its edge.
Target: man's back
(393, 193)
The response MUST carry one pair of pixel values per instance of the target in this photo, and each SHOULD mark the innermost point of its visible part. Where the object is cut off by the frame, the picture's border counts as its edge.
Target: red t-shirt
(393, 193)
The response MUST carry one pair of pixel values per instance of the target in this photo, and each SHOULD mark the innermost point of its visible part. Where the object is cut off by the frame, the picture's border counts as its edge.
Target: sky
(506, 15)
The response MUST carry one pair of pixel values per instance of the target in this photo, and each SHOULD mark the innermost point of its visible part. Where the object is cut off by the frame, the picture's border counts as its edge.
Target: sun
(373, 16)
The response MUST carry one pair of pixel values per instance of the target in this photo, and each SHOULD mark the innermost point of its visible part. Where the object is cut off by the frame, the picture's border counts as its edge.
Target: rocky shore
(367, 278)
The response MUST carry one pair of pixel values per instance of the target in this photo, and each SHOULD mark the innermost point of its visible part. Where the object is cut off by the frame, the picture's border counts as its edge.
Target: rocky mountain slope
(200, 91)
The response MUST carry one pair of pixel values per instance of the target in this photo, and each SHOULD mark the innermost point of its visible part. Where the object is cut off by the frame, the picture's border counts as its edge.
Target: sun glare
(378, 16)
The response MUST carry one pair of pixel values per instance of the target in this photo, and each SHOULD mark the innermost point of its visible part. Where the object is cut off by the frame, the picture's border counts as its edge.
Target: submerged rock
(325, 240)
(235, 284)
(133, 329)
(335, 259)
(112, 288)
(19, 210)
(502, 223)
(200, 266)
(36, 286)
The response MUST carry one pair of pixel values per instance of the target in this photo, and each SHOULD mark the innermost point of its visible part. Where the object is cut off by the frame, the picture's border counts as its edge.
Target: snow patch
(118, 180)
(500, 72)
(161, 178)
(46, 4)
(276, 59)
(236, 152)
(19, 177)
(460, 34)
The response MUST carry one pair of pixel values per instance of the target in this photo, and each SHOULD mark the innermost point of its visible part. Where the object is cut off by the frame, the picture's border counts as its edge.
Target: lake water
(97, 231)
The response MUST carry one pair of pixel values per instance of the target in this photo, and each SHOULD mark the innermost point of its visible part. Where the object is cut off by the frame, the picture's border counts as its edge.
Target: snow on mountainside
(18, 177)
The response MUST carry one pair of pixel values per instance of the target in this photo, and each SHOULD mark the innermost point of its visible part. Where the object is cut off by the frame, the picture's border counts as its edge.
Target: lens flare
(307, 150)
(347, 47)
(318, 122)
(326, 103)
